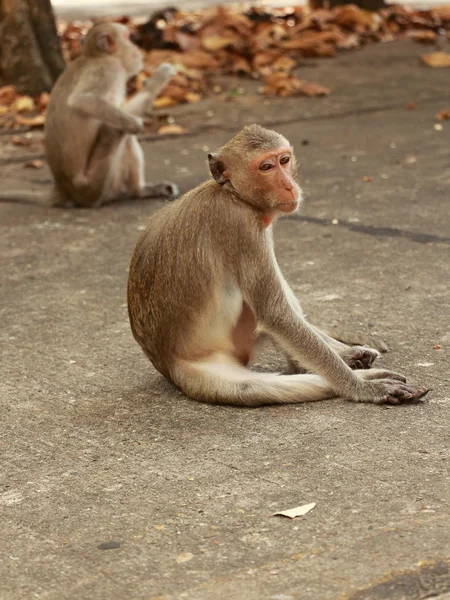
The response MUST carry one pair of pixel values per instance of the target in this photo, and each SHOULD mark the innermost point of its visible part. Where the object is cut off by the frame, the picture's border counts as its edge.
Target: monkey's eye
(284, 160)
(265, 167)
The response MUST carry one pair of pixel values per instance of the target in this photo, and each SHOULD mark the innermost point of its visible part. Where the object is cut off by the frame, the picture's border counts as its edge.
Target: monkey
(204, 285)
(90, 130)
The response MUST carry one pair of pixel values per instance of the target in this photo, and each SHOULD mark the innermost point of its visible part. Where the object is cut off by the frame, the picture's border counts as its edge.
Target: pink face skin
(273, 173)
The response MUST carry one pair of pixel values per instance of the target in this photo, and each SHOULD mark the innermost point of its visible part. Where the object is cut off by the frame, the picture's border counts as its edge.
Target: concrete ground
(97, 448)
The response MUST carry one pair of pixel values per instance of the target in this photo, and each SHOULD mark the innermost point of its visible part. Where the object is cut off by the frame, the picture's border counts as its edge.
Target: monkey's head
(259, 164)
(106, 38)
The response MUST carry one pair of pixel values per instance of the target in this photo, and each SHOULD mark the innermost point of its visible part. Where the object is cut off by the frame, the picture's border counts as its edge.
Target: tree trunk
(364, 4)
(30, 54)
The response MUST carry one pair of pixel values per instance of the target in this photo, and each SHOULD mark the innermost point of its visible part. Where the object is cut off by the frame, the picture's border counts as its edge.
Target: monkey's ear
(106, 43)
(217, 168)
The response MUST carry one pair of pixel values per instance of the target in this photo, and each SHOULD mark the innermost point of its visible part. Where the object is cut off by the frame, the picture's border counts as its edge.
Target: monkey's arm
(91, 105)
(264, 290)
(142, 103)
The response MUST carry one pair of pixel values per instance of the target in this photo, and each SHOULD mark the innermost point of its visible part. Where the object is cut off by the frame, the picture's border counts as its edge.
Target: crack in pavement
(391, 232)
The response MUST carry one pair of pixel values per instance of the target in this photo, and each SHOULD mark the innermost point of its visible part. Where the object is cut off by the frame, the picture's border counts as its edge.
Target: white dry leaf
(298, 511)
(184, 557)
(329, 297)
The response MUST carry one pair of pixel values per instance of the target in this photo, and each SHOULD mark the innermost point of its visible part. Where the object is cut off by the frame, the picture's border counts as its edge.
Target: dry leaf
(436, 347)
(164, 102)
(284, 63)
(4, 110)
(198, 59)
(313, 89)
(192, 97)
(171, 130)
(436, 59)
(18, 140)
(424, 36)
(24, 104)
(216, 42)
(366, 178)
(176, 92)
(443, 115)
(37, 121)
(299, 511)
(34, 164)
(184, 557)
(411, 105)
(443, 12)
(7, 95)
(43, 100)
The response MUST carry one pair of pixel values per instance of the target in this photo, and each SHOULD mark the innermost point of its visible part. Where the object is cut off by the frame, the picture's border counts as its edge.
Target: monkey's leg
(101, 180)
(133, 175)
(263, 340)
(221, 379)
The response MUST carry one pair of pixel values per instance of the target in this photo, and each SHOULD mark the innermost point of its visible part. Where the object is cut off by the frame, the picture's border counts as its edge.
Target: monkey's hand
(359, 357)
(134, 125)
(160, 78)
(387, 387)
(165, 71)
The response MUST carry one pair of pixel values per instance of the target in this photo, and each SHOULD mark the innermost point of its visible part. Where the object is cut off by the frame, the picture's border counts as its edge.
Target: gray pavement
(96, 447)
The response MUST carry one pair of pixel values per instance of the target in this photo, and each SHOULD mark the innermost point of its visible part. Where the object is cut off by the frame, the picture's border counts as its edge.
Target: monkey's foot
(165, 189)
(359, 357)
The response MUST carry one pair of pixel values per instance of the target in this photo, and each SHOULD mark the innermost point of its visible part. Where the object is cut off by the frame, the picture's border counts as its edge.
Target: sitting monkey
(90, 130)
(204, 283)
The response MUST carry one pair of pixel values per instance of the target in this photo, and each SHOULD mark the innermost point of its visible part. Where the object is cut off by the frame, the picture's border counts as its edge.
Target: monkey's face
(114, 39)
(130, 54)
(273, 181)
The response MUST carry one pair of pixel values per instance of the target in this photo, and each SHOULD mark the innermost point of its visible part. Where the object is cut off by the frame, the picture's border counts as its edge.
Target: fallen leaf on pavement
(184, 557)
(299, 511)
(24, 104)
(171, 130)
(7, 95)
(36, 121)
(423, 36)
(164, 102)
(443, 115)
(43, 100)
(34, 164)
(411, 105)
(18, 140)
(436, 59)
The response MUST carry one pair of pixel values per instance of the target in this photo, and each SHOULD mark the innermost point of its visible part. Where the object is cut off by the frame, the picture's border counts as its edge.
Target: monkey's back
(176, 277)
(69, 135)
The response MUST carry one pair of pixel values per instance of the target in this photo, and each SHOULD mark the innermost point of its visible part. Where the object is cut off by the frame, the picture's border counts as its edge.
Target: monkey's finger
(407, 394)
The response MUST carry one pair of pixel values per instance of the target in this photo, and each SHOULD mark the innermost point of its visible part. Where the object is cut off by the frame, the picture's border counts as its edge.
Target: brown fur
(204, 282)
(90, 131)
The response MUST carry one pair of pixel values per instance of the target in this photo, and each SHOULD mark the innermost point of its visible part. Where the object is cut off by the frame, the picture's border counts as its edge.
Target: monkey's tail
(24, 197)
(222, 380)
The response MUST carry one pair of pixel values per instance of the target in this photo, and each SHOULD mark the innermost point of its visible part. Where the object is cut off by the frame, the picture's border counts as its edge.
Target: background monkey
(204, 281)
(90, 132)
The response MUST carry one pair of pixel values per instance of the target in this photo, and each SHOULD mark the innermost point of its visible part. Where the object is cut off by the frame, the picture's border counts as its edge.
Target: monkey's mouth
(288, 206)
